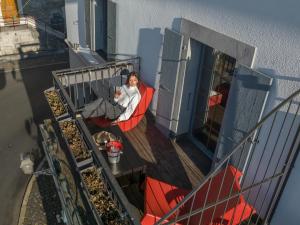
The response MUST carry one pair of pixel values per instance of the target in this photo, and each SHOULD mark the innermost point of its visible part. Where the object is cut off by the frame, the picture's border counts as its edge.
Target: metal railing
(82, 85)
(76, 87)
(262, 160)
(29, 21)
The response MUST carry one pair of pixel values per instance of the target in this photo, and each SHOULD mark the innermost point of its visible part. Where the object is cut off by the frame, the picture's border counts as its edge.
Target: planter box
(79, 163)
(57, 116)
(107, 197)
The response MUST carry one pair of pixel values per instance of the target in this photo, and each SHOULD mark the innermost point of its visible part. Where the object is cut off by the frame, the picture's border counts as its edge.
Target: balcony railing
(258, 167)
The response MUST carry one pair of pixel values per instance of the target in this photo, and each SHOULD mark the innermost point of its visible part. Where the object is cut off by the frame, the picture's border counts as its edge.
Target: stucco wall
(272, 26)
(287, 211)
(71, 10)
(75, 20)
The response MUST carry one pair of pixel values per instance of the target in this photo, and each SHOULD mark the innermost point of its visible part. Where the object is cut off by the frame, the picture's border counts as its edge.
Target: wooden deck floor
(175, 162)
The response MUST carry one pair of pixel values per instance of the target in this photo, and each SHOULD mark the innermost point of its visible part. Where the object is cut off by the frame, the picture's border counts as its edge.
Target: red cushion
(161, 197)
(241, 212)
(214, 100)
(146, 97)
(232, 176)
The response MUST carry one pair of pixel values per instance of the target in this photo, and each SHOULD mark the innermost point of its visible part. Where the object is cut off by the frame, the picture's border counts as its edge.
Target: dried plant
(75, 141)
(55, 103)
(100, 198)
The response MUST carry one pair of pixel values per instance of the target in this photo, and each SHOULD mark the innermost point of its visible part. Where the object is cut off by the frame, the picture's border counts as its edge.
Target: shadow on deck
(176, 162)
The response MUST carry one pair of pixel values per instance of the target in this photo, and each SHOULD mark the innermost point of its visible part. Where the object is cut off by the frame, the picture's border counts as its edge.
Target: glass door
(210, 98)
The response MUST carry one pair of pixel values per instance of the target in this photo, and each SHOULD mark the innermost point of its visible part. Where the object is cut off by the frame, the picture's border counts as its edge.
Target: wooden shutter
(111, 27)
(247, 96)
(171, 56)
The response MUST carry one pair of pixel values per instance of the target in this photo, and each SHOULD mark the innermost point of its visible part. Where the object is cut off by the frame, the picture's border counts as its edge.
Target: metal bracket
(47, 172)
(253, 141)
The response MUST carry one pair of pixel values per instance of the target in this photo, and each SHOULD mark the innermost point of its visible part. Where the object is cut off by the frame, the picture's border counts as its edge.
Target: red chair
(146, 97)
(161, 197)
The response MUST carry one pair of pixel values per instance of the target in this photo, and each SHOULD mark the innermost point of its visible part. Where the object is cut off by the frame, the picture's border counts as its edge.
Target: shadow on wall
(275, 98)
(149, 48)
(176, 24)
(277, 12)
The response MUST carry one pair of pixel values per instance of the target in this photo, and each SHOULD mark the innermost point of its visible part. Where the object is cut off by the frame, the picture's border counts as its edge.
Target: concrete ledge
(25, 200)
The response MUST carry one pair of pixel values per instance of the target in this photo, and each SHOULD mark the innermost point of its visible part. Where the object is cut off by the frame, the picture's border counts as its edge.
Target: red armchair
(146, 97)
(161, 197)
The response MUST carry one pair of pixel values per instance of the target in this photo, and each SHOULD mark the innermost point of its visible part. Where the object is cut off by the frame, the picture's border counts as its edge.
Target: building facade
(182, 42)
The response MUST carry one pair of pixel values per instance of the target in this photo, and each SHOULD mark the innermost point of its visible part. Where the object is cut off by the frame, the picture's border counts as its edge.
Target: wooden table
(131, 168)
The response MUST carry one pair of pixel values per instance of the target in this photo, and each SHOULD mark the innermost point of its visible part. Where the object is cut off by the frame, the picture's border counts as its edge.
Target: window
(211, 97)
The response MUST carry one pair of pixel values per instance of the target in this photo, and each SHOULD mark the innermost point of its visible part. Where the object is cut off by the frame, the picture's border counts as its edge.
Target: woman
(123, 105)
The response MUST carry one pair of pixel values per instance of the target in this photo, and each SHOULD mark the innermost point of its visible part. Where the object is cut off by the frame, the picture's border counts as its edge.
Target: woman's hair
(132, 74)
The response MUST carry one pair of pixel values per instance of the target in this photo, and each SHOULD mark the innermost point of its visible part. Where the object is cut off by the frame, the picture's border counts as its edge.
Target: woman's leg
(102, 107)
(113, 111)
(93, 109)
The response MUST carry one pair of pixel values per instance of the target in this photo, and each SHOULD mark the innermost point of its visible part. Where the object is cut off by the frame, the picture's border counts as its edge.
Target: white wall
(75, 22)
(71, 10)
(271, 25)
(287, 211)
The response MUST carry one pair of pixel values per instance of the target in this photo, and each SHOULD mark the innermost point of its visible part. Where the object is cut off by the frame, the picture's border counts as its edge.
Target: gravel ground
(43, 204)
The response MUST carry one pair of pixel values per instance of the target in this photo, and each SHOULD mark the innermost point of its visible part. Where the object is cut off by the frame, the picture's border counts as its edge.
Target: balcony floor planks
(175, 162)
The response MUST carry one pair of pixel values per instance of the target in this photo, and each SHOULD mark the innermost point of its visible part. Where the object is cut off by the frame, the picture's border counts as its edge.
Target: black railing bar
(260, 160)
(284, 168)
(233, 181)
(200, 210)
(55, 179)
(65, 95)
(90, 86)
(105, 65)
(206, 196)
(113, 184)
(115, 75)
(66, 81)
(70, 89)
(109, 83)
(102, 78)
(270, 160)
(103, 85)
(289, 161)
(83, 86)
(219, 193)
(96, 82)
(212, 173)
(62, 196)
(76, 93)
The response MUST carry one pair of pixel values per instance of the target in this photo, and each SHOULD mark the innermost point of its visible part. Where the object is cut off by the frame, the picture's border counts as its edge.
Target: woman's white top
(129, 99)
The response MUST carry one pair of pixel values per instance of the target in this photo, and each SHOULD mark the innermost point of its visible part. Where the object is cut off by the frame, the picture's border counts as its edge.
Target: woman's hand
(117, 93)
(115, 122)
